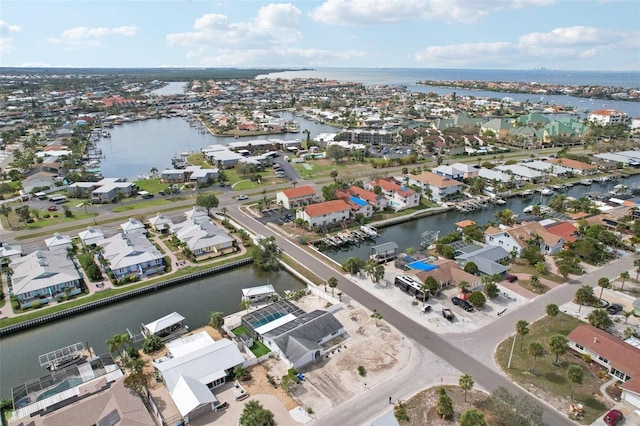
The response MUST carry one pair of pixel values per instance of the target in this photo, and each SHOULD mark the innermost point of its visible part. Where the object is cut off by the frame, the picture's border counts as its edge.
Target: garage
(631, 392)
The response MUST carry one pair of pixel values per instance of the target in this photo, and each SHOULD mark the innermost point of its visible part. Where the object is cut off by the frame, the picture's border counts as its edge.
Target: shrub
(400, 412)
(362, 371)
(152, 344)
(36, 305)
(30, 220)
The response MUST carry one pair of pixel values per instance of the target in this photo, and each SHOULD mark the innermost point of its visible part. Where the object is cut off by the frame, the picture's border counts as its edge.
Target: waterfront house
(325, 215)
(41, 276)
(437, 186)
(193, 367)
(399, 197)
(521, 172)
(607, 117)
(10, 251)
(259, 293)
(577, 167)
(534, 119)
(567, 231)
(446, 272)
(296, 336)
(379, 202)
(516, 238)
(193, 174)
(487, 259)
(133, 226)
(548, 169)
(497, 175)
(160, 223)
(620, 359)
(91, 236)
(358, 205)
(203, 237)
(172, 176)
(457, 171)
(58, 242)
(566, 128)
(292, 198)
(130, 255)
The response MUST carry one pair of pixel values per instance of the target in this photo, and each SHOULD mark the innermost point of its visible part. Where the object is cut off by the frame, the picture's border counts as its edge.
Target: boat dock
(349, 237)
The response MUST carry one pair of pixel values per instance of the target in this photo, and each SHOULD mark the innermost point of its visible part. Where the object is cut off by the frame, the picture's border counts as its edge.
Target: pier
(348, 237)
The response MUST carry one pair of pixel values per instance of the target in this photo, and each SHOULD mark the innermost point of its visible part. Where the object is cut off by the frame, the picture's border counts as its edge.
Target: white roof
(58, 241)
(520, 170)
(190, 394)
(259, 290)
(91, 235)
(40, 270)
(132, 225)
(7, 250)
(126, 250)
(164, 322)
(494, 174)
(275, 324)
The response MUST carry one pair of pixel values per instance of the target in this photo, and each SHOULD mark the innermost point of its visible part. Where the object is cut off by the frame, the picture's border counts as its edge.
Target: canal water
(195, 301)
(407, 234)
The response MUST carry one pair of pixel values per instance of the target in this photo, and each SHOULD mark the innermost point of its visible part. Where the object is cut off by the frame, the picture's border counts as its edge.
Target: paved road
(456, 353)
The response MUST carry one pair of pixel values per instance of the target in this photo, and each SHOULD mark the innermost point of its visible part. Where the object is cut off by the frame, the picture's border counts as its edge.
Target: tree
(445, 405)
(5, 210)
(535, 351)
(627, 314)
(240, 372)
(152, 343)
(119, 344)
(254, 414)
(378, 273)
(624, 276)
(558, 344)
(466, 384)
(471, 268)
(603, 283)
(584, 295)
(353, 265)
(245, 304)
(477, 299)
(600, 318)
(377, 316)
(216, 319)
(208, 201)
(472, 417)
(575, 374)
(334, 175)
(522, 328)
(136, 381)
(431, 284)
(266, 254)
(514, 410)
(535, 281)
(332, 282)
(552, 310)
(491, 289)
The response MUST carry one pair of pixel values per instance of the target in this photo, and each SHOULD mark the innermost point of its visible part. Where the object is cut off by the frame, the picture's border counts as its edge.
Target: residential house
(160, 223)
(565, 230)
(292, 198)
(296, 336)
(534, 119)
(498, 176)
(399, 197)
(325, 215)
(548, 169)
(515, 239)
(521, 172)
(577, 167)
(58, 242)
(607, 117)
(203, 237)
(10, 251)
(133, 226)
(106, 190)
(193, 174)
(566, 128)
(499, 126)
(438, 187)
(457, 171)
(194, 366)
(487, 259)
(358, 205)
(91, 236)
(621, 359)
(379, 202)
(447, 273)
(131, 255)
(41, 276)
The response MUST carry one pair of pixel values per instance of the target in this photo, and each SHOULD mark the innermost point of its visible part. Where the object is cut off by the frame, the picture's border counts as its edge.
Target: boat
(500, 201)
(65, 362)
(546, 191)
(586, 182)
(527, 193)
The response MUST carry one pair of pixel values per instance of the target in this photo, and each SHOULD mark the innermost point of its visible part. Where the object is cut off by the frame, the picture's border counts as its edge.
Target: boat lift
(428, 237)
(62, 355)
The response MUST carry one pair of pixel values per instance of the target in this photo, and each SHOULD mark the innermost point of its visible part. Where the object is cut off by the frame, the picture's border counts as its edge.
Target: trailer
(447, 314)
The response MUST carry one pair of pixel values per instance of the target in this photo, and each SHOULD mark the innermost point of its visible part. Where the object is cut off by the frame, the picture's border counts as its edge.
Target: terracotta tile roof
(435, 180)
(390, 185)
(465, 223)
(300, 191)
(327, 207)
(573, 164)
(621, 355)
(492, 230)
(606, 112)
(567, 231)
(527, 231)
(447, 270)
(364, 194)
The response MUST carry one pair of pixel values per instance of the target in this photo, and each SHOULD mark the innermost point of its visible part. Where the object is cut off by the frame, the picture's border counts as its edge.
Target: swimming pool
(267, 319)
(66, 385)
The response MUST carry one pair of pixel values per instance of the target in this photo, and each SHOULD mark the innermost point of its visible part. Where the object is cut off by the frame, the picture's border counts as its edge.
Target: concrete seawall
(127, 295)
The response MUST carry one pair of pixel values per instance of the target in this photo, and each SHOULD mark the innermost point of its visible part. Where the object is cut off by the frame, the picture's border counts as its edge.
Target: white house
(91, 236)
(398, 196)
(10, 251)
(297, 197)
(41, 276)
(133, 226)
(439, 186)
(58, 242)
(131, 255)
(325, 215)
(517, 238)
(193, 367)
(160, 223)
(203, 237)
(606, 117)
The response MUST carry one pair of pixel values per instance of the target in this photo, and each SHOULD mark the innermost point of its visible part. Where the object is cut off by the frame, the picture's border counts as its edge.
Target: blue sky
(488, 34)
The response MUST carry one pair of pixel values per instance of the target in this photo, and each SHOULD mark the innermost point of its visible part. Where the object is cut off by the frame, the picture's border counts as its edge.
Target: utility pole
(511, 354)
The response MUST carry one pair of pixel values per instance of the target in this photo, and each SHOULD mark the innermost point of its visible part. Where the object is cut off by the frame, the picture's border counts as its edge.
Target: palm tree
(627, 314)
(558, 344)
(224, 211)
(552, 310)
(625, 276)
(575, 374)
(5, 210)
(584, 295)
(376, 316)
(332, 282)
(535, 351)
(522, 328)
(466, 384)
(603, 283)
(216, 319)
(119, 344)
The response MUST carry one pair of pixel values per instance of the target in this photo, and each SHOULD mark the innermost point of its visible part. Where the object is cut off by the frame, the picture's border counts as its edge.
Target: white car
(242, 197)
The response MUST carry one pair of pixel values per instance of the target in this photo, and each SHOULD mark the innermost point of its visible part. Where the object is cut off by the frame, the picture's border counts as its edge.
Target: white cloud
(278, 58)
(372, 12)
(82, 33)
(6, 39)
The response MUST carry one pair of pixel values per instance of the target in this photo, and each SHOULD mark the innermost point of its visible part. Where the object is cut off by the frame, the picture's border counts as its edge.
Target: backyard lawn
(550, 382)
(258, 347)
(522, 266)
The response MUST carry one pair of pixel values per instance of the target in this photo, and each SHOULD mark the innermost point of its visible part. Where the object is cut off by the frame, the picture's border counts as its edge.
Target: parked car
(511, 278)
(446, 312)
(242, 197)
(462, 303)
(52, 208)
(613, 417)
(614, 308)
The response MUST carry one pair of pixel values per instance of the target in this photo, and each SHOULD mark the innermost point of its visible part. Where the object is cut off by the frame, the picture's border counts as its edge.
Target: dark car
(613, 417)
(614, 308)
(52, 208)
(511, 278)
(462, 303)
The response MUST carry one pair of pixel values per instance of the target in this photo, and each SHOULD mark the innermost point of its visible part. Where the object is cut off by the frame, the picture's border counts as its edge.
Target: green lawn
(258, 347)
(540, 288)
(143, 205)
(151, 185)
(522, 266)
(61, 218)
(548, 377)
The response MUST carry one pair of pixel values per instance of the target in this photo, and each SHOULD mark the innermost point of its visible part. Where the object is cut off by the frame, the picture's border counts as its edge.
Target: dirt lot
(421, 409)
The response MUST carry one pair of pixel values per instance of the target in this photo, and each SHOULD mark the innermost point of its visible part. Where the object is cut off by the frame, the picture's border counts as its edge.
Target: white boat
(500, 201)
(546, 191)
(586, 182)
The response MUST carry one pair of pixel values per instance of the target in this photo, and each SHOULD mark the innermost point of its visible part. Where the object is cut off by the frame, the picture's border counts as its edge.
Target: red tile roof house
(325, 215)
(297, 197)
(358, 205)
(398, 197)
(565, 230)
(439, 186)
(621, 359)
(517, 238)
(578, 167)
(379, 202)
